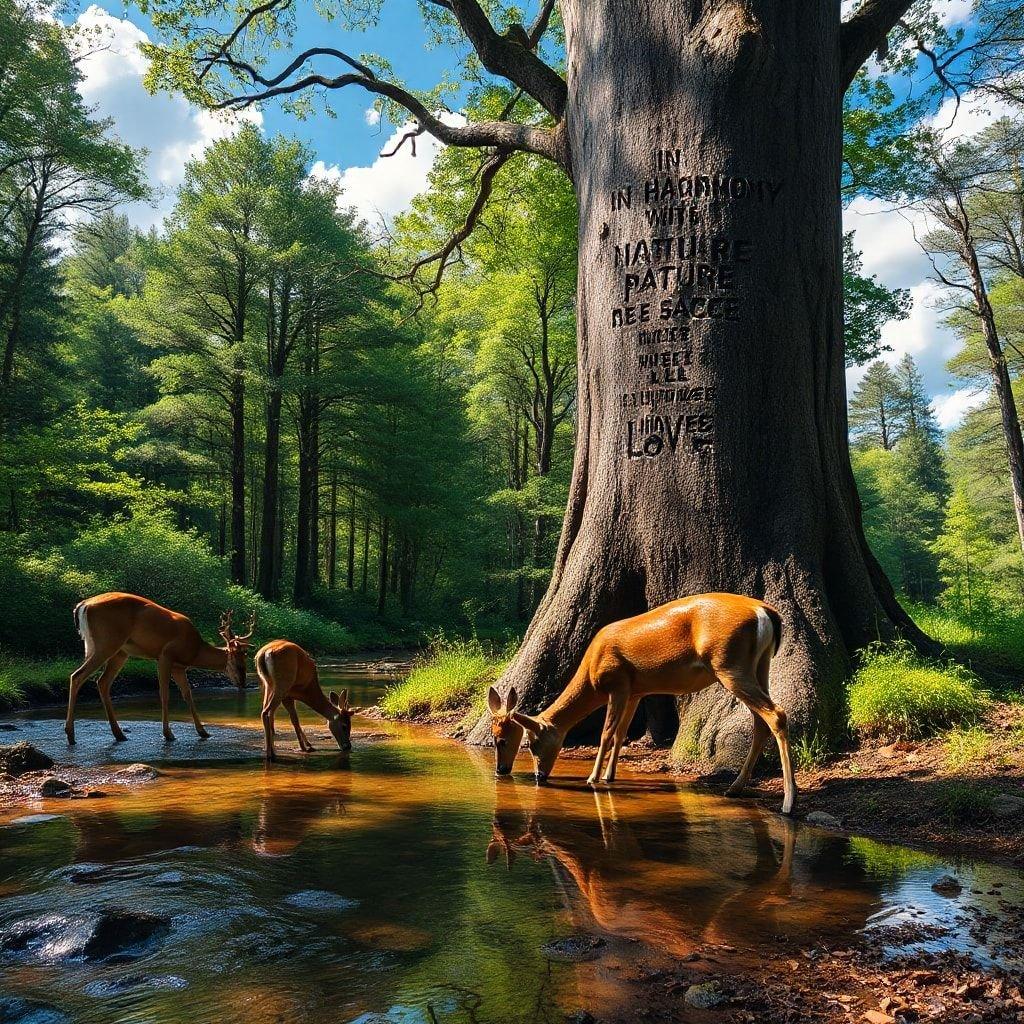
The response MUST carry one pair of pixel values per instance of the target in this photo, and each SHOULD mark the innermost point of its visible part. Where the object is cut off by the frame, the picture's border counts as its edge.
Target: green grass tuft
(965, 803)
(896, 694)
(994, 640)
(810, 752)
(966, 747)
(20, 677)
(454, 674)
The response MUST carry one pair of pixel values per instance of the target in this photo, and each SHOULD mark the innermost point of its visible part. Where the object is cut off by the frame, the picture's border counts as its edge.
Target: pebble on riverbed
(704, 996)
(947, 885)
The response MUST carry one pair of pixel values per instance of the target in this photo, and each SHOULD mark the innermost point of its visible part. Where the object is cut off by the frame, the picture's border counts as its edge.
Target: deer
(678, 648)
(288, 674)
(115, 626)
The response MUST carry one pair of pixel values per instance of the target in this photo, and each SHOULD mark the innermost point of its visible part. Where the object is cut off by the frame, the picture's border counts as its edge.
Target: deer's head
(506, 732)
(340, 723)
(237, 647)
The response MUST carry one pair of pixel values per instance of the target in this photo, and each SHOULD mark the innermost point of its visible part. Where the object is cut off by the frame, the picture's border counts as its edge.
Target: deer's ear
(334, 699)
(493, 700)
(512, 700)
(343, 699)
(528, 723)
(493, 849)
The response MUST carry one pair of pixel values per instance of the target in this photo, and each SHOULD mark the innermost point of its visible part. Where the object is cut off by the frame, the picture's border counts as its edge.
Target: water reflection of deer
(720, 880)
(287, 806)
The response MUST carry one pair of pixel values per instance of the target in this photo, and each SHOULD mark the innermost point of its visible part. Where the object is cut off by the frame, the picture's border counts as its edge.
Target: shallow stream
(404, 883)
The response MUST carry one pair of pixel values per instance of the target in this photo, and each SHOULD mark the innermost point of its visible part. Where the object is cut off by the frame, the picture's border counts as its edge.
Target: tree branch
(865, 31)
(511, 55)
(499, 134)
(441, 256)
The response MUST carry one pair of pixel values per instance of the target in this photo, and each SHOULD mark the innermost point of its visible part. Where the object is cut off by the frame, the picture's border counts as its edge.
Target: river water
(405, 884)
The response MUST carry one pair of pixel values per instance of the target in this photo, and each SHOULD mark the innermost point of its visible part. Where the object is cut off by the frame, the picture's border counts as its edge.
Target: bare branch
(511, 55)
(865, 31)
(498, 134)
(441, 256)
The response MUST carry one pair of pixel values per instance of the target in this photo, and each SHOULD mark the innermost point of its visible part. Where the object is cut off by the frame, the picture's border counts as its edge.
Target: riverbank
(961, 793)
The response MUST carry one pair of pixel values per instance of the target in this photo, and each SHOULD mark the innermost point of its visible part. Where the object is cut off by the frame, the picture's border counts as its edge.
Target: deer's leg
(304, 745)
(749, 690)
(164, 667)
(757, 742)
(620, 737)
(617, 700)
(180, 676)
(270, 704)
(78, 679)
(104, 684)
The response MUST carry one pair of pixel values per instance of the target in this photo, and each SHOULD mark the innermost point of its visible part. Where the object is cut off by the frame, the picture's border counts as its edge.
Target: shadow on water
(407, 884)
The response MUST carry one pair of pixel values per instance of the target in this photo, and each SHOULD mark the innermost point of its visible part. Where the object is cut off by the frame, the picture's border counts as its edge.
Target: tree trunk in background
(332, 538)
(350, 576)
(268, 582)
(279, 314)
(711, 451)
(1009, 419)
(382, 567)
(238, 564)
(366, 553)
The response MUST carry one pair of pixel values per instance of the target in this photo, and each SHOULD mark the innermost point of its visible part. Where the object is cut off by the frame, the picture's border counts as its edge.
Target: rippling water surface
(406, 884)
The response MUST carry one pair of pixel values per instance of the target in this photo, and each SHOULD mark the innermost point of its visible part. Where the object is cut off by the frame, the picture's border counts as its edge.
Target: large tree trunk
(711, 451)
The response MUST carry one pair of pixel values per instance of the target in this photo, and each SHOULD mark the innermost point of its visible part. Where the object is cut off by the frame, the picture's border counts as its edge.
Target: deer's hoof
(119, 737)
(203, 734)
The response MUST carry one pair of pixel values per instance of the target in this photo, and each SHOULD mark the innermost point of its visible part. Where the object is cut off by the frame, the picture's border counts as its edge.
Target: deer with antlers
(679, 648)
(115, 627)
(288, 674)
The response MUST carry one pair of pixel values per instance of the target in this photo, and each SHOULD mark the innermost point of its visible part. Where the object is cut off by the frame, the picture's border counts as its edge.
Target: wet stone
(25, 1011)
(823, 819)
(55, 787)
(104, 988)
(319, 899)
(112, 936)
(575, 949)
(1007, 806)
(947, 885)
(704, 996)
(23, 757)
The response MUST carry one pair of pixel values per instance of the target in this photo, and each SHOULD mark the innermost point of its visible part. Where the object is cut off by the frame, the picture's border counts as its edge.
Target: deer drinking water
(289, 674)
(679, 648)
(116, 626)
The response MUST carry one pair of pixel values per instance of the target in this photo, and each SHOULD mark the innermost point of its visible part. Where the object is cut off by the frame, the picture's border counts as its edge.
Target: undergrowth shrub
(896, 694)
(454, 673)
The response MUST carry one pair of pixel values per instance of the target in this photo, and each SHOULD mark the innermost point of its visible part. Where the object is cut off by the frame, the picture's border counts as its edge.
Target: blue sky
(347, 149)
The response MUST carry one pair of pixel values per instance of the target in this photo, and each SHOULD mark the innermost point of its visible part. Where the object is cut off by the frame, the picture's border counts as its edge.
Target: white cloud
(388, 185)
(975, 112)
(372, 116)
(951, 408)
(168, 127)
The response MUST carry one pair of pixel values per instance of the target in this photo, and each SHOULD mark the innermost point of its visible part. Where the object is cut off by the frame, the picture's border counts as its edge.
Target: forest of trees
(260, 394)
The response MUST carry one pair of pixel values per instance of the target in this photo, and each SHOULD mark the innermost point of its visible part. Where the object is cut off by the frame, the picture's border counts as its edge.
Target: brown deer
(678, 648)
(289, 674)
(116, 626)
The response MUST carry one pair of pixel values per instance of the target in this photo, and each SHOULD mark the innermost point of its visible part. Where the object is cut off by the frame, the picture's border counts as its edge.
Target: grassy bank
(453, 676)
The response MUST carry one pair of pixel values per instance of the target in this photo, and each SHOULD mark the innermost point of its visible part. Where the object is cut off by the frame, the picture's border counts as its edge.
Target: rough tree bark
(711, 452)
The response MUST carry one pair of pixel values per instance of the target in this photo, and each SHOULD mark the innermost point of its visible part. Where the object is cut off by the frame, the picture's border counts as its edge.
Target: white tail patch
(82, 622)
(765, 632)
